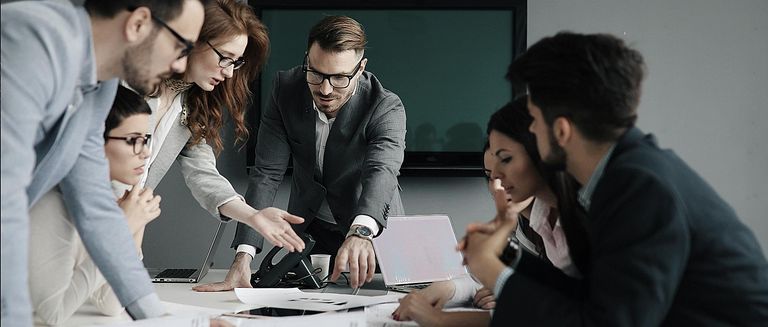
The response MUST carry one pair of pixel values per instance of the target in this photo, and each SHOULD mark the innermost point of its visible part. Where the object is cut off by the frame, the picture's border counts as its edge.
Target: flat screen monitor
(446, 61)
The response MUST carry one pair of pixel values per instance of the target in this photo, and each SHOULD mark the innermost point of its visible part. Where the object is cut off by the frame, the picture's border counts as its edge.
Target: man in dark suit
(664, 248)
(345, 134)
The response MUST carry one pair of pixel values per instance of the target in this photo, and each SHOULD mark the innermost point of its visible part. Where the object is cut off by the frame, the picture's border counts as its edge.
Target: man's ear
(362, 65)
(563, 130)
(138, 25)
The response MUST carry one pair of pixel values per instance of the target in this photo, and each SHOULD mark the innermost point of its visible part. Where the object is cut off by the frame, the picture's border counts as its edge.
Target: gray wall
(705, 97)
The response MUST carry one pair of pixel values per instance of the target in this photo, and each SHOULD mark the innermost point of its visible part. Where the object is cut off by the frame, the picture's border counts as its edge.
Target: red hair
(225, 19)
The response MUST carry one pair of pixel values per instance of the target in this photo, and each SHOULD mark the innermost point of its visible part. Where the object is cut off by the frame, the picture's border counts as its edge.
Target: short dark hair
(592, 79)
(127, 103)
(163, 9)
(337, 34)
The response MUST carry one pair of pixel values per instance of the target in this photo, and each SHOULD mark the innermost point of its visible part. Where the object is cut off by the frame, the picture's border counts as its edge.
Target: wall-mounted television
(445, 59)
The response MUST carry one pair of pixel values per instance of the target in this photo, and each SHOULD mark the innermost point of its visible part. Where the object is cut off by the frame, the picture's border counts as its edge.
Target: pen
(354, 292)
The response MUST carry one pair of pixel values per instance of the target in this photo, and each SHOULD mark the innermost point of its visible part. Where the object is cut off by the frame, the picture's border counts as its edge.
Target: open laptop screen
(418, 249)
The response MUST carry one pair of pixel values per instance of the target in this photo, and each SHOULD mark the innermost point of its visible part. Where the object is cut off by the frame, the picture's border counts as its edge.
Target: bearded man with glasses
(345, 134)
(60, 71)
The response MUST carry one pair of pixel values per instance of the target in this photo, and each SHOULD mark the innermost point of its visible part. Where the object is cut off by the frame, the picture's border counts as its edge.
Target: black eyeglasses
(138, 142)
(225, 62)
(188, 45)
(338, 81)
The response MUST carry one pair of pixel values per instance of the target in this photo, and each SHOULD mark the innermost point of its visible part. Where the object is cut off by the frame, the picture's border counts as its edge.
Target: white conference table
(181, 293)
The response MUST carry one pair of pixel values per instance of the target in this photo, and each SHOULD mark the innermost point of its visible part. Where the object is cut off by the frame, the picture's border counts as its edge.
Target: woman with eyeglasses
(61, 274)
(188, 115)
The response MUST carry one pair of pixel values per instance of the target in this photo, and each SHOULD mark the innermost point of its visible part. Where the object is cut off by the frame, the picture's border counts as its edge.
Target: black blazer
(363, 154)
(665, 250)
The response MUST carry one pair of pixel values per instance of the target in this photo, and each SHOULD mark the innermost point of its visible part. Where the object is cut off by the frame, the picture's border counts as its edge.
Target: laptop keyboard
(176, 273)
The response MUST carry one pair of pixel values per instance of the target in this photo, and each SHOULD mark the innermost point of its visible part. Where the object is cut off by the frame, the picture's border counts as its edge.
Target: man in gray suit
(60, 66)
(345, 134)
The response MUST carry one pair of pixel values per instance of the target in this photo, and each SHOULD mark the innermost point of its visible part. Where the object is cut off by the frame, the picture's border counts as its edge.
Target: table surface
(182, 293)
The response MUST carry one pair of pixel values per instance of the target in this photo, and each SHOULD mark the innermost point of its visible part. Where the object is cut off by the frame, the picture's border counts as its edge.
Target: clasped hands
(484, 242)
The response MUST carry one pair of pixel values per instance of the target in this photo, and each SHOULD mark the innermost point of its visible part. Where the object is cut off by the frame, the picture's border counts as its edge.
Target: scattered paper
(263, 296)
(381, 316)
(347, 319)
(177, 309)
(312, 301)
(168, 321)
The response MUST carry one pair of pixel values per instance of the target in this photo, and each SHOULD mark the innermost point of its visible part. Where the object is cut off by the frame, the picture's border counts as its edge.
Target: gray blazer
(53, 112)
(198, 166)
(363, 154)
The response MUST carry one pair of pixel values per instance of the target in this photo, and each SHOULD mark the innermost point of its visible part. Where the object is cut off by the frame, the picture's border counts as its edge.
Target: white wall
(706, 97)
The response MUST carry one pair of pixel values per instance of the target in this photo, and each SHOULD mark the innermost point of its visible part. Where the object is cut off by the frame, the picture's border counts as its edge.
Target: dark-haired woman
(61, 274)
(516, 174)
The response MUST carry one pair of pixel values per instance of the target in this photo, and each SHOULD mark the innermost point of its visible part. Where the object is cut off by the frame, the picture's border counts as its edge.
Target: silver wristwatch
(360, 231)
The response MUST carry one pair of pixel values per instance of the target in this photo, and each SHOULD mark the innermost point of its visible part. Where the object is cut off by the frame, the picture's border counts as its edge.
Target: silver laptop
(188, 275)
(414, 251)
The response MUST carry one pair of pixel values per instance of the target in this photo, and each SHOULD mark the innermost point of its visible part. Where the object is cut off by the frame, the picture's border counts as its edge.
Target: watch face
(364, 231)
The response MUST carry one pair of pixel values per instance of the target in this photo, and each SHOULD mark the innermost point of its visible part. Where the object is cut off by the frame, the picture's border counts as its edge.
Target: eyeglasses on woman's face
(137, 141)
(225, 61)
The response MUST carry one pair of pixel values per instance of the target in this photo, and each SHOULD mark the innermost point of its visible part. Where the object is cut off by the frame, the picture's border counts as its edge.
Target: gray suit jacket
(53, 113)
(198, 166)
(363, 154)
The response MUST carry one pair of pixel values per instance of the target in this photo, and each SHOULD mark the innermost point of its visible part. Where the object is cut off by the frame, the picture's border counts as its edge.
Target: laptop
(415, 251)
(188, 275)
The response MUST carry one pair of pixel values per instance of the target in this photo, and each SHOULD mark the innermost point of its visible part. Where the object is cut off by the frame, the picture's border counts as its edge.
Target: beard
(556, 157)
(136, 63)
(342, 100)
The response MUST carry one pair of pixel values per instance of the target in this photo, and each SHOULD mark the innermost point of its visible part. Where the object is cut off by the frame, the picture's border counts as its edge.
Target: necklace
(177, 85)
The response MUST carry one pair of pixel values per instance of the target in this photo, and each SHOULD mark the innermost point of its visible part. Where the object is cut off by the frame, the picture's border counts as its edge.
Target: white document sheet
(177, 309)
(296, 299)
(263, 297)
(347, 319)
(167, 321)
(380, 315)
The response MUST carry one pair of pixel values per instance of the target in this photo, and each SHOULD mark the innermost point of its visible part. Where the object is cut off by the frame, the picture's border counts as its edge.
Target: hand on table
(439, 293)
(239, 276)
(416, 306)
(357, 254)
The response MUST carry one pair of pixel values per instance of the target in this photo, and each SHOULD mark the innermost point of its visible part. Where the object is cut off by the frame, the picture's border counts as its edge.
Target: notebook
(414, 251)
(188, 275)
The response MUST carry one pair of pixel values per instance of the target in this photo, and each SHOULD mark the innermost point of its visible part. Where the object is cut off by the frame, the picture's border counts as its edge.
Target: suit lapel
(306, 130)
(347, 122)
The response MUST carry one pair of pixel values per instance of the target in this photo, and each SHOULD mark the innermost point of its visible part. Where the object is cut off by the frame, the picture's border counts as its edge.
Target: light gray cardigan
(198, 166)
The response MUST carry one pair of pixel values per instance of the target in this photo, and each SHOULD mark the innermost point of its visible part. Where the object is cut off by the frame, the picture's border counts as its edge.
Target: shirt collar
(585, 192)
(539, 214)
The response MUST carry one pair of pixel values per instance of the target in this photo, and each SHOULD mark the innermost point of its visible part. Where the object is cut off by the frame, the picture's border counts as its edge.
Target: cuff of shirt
(148, 306)
(367, 221)
(227, 200)
(247, 249)
(503, 276)
(464, 289)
